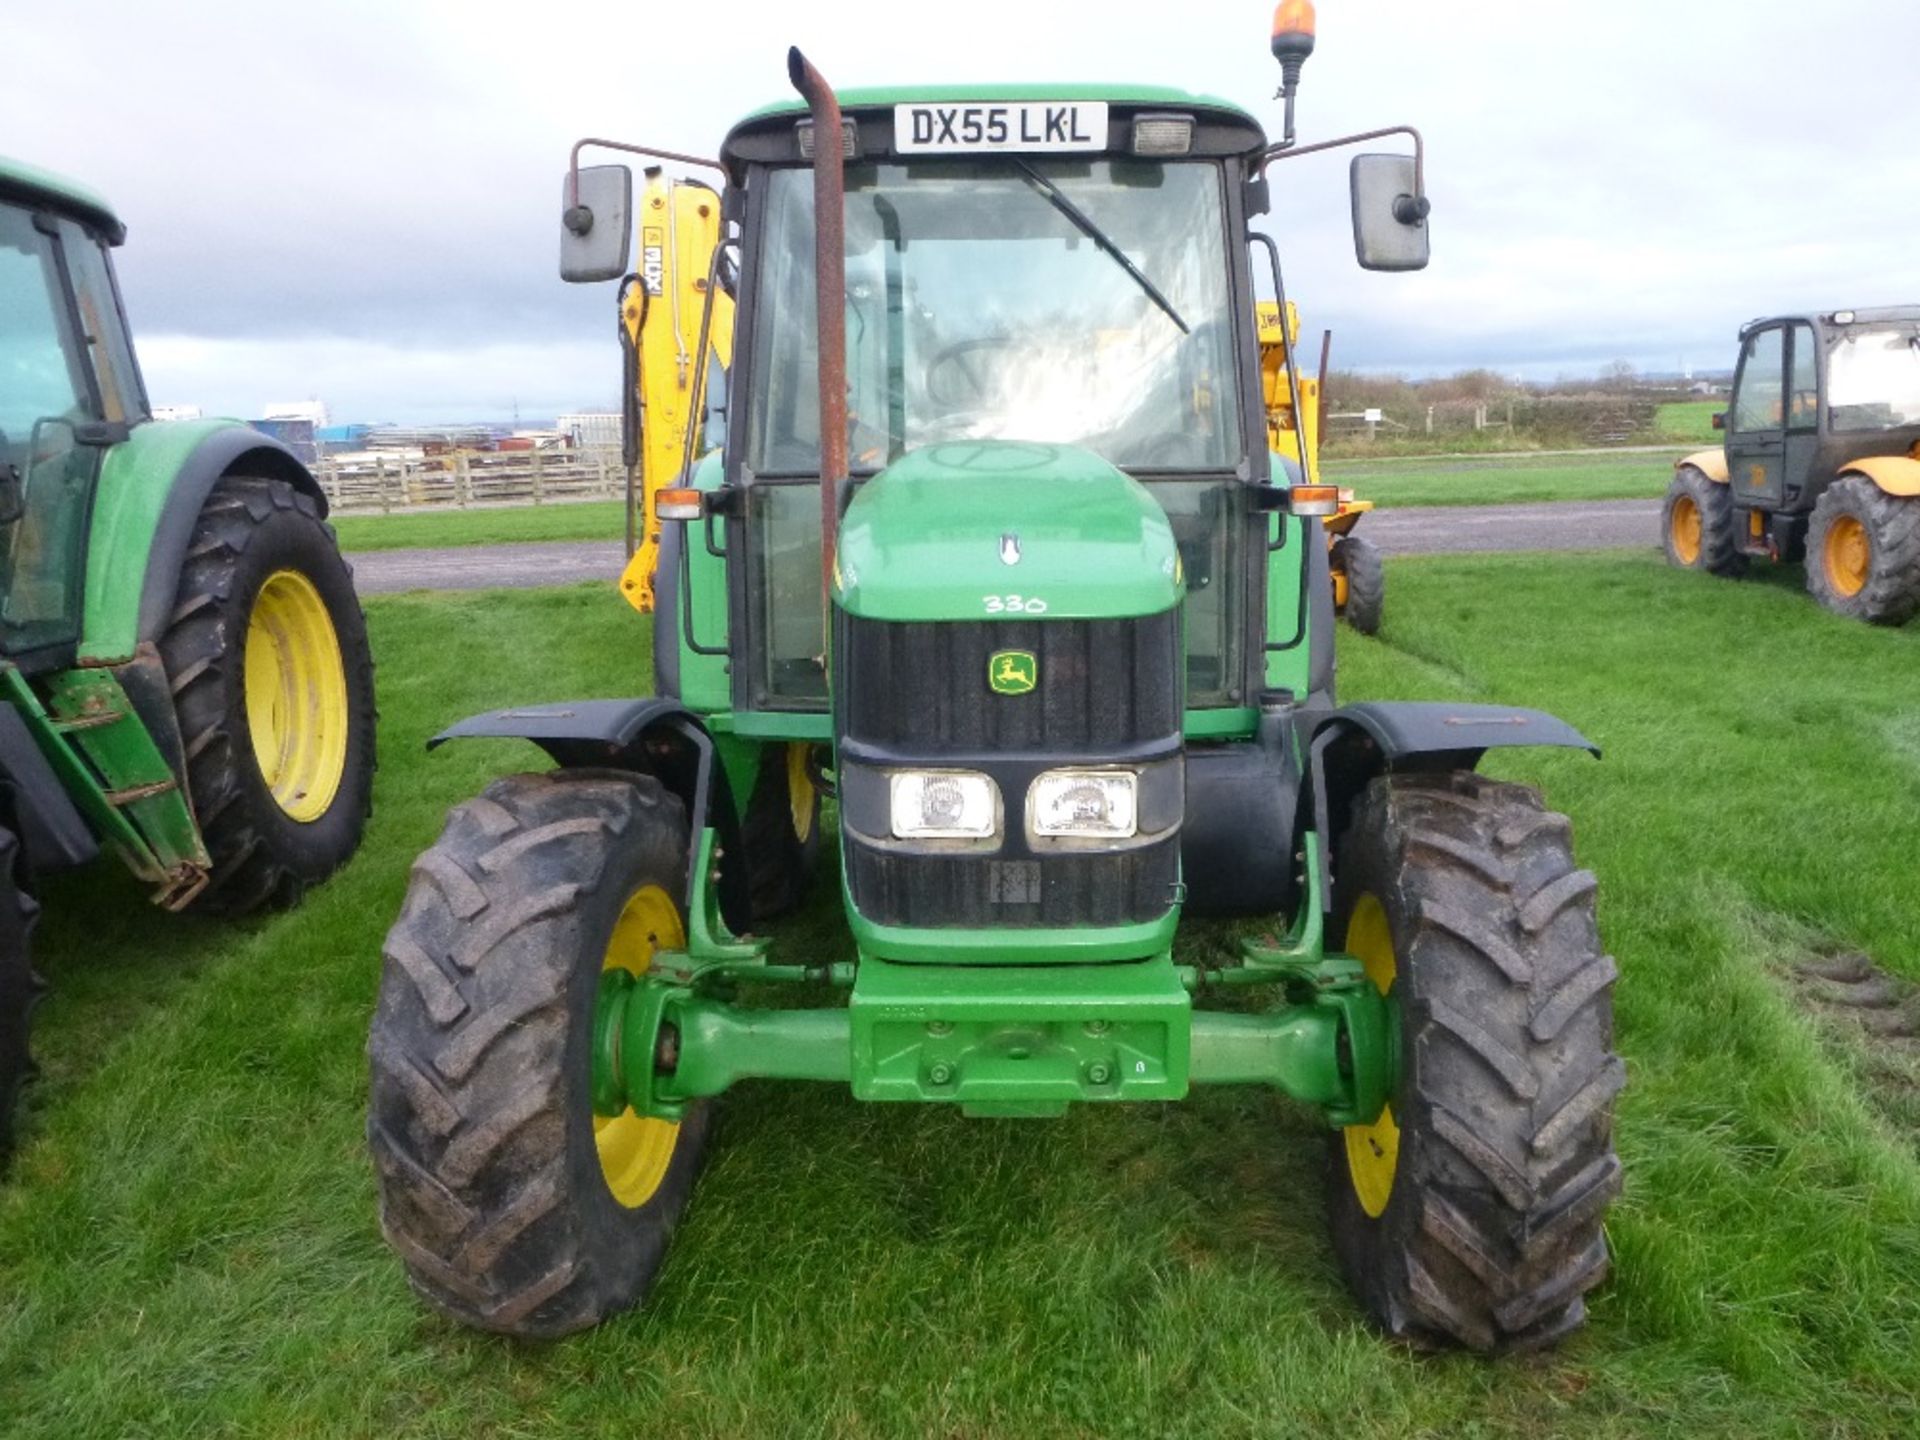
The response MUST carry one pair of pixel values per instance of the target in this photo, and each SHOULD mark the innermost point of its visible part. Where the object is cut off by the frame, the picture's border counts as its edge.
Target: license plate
(1036, 125)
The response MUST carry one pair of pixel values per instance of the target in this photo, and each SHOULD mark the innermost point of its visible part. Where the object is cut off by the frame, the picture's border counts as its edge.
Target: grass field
(1437, 480)
(188, 1245)
(1689, 420)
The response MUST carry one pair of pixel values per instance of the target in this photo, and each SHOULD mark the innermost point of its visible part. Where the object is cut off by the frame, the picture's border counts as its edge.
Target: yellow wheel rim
(1373, 1151)
(800, 792)
(1684, 527)
(1848, 556)
(296, 695)
(635, 1150)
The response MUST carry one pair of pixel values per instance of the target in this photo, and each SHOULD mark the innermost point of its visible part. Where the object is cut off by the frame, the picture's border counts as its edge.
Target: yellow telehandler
(1359, 581)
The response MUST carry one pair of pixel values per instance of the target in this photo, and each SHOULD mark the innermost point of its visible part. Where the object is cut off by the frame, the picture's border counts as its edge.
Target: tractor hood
(970, 529)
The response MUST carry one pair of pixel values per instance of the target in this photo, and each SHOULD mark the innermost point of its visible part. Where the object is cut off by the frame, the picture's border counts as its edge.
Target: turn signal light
(677, 505)
(1314, 499)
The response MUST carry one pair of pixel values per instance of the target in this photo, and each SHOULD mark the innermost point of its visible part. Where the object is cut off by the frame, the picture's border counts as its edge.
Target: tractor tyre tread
(1366, 582)
(261, 857)
(1720, 552)
(1891, 595)
(1492, 1233)
(479, 1118)
(21, 989)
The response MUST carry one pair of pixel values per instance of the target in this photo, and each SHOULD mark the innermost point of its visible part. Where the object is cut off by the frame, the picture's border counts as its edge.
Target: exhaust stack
(830, 288)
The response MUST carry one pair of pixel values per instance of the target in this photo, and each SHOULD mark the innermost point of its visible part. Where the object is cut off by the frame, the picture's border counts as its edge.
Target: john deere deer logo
(1012, 672)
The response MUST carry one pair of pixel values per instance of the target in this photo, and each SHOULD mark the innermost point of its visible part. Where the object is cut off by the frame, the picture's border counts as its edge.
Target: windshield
(1078, 302)
(1873, 380)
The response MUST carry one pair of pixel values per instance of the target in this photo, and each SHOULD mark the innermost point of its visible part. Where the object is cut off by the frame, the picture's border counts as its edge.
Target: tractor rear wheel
(514, 1207)
(782, 829)
(1863, 552)
(1696, 525)
(1359, 560)
(273, 685)
(1470, 1213)
(20, 989)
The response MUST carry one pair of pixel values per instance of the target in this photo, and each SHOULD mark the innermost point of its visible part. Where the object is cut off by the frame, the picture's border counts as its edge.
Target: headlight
(1088, 804)
(942, 804)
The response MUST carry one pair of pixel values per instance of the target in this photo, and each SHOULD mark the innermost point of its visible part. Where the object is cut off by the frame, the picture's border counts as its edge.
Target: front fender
(652, 736)
(151, 489)
(1348, 747)
(1897, 475)
(1710, 463)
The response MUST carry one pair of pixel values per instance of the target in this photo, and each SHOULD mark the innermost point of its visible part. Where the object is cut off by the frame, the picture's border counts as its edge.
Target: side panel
(705, 684)
(150, 493)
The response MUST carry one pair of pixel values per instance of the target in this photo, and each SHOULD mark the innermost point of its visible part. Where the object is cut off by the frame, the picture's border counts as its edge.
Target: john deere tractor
(184, 673)
(1822, 463)
(993, 546)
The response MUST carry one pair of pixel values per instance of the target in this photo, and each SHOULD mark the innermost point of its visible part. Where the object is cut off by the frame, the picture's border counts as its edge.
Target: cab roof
(1830, 319)
(30, 185)
(876, 102)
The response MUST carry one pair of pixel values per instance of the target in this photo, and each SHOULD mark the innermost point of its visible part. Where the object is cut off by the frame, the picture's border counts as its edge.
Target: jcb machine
(184, 673)
(994, 543)
(1353, 562)
(1821, 463)
(670, 369)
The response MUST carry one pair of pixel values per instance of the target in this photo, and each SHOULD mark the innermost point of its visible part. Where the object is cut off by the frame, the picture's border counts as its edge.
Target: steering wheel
(958, 361)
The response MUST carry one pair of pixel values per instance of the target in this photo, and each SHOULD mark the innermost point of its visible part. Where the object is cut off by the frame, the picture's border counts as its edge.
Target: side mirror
(1719, 419)
(596, 229)
(1389, 215)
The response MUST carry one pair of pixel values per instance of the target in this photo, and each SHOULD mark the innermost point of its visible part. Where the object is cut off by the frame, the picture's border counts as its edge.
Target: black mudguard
(654, 736)
(1348, 747)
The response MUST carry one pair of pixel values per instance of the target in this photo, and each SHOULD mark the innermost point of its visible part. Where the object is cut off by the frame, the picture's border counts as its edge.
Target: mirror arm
(1408, 209)
(580, 222)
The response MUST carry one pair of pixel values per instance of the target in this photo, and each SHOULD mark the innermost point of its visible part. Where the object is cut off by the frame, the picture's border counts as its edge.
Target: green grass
(1689, 420)
(585, 520)
(188, 1245)
(1507, 480)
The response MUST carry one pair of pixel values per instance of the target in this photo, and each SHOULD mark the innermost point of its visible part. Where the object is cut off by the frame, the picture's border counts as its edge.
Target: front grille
(909, 693)
(921, 688)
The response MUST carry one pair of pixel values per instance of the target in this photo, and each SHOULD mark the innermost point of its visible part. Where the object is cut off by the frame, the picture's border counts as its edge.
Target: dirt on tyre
(1471, 1213)
(781, 829)
(20, 990)
(1359, 559)
(272, 677)
(513, 1207)
(1697, 528)
(1863, 552)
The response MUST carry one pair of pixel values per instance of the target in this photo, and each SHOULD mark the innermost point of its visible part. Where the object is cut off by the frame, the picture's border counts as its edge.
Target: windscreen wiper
(1093, 232)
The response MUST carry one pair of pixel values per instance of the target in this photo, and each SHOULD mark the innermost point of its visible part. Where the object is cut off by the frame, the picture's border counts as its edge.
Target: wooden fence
(463, 481)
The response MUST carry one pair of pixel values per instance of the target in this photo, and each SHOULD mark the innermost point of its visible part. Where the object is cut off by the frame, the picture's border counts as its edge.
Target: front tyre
(1470, 1213)
(513, 1206)
(272, 681)
(1863, 552)
(1697, 529)
(1359, 560)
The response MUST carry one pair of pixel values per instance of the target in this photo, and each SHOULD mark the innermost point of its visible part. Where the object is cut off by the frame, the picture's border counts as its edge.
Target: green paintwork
(1010, 946)
(109, 766)
(777, 724)
(57, 192)
(705, 683)
(925, 539)
(1287, 669)
(135, 481)
(1230, 722)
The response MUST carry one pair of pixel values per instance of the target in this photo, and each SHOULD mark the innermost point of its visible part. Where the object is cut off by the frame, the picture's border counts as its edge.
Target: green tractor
(993, 548)
(1821, 463)
(184, 673)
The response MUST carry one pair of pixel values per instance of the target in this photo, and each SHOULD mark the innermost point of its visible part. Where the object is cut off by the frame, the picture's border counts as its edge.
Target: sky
(360, 202)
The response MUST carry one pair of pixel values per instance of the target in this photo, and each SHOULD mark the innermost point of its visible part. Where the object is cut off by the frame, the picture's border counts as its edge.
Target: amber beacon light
(1292, 44)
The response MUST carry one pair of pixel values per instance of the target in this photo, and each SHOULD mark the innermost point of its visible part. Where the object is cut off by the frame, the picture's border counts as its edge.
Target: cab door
(1757, 423)
(1803, 412)
(51, 424)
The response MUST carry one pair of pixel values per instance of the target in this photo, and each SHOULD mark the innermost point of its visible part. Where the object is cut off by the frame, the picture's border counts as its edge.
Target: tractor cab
(69, 388)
